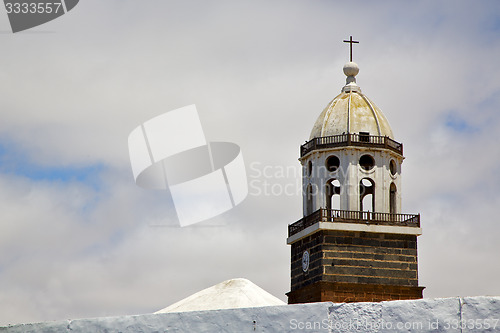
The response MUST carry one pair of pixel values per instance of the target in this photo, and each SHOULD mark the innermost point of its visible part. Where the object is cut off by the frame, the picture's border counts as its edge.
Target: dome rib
(349, 114)
(328, 113)
(373, 112)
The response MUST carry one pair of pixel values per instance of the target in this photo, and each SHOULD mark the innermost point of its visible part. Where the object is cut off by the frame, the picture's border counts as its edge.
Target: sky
(79, 239)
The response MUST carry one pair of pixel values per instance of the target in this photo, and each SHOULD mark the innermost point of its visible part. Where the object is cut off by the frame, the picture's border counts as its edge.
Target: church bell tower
(353, 243)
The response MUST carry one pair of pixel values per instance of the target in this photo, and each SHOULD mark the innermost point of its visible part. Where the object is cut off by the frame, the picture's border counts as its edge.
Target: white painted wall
(477, 314)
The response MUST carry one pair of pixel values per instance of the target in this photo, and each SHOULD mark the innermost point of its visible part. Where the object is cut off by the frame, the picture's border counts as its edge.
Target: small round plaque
(305, 261)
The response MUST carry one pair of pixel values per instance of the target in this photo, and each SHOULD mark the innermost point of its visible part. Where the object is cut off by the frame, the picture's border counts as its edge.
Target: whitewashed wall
(478, 314)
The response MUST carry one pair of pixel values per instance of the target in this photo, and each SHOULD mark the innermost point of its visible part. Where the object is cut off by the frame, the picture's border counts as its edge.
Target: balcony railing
(351, 139)
(349, 216)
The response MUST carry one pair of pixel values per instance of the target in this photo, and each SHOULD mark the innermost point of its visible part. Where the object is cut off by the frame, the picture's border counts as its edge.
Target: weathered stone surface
(425, 315)
(481, 313)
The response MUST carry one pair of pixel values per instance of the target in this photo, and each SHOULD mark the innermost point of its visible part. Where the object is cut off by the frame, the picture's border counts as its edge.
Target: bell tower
(353, 243)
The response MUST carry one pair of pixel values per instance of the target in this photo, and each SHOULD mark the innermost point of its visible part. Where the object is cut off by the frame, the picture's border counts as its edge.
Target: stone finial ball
(351, 69)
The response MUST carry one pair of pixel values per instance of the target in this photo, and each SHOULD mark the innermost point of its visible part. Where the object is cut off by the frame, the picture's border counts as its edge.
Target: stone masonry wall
(356, 257)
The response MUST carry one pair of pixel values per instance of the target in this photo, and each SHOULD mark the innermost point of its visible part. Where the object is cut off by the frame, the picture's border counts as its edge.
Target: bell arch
(332, 194)
(367, 194)
(309, 199)
(392, 199)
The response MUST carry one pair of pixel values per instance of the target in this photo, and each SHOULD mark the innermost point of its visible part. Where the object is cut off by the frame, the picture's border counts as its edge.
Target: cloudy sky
(79, 239)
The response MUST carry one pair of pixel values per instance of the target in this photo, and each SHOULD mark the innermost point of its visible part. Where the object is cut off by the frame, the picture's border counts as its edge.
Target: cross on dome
(350, 41)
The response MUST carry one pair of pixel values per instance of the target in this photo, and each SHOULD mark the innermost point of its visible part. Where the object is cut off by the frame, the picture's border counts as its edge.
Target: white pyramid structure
(230, 294)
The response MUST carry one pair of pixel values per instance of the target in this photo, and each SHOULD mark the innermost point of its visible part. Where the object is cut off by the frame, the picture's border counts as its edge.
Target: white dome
(351, 112)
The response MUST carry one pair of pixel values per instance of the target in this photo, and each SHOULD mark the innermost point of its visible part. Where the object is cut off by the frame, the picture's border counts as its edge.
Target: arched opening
(366, 196)
(393, 167)
(392, 198)
(309, 200)
(332, 191)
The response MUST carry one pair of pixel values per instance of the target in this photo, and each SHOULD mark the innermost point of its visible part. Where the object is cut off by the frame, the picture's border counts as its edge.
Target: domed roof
(351, 112)
(230, 294)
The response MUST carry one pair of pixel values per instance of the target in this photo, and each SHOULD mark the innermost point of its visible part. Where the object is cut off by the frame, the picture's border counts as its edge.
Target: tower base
(340, 292)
